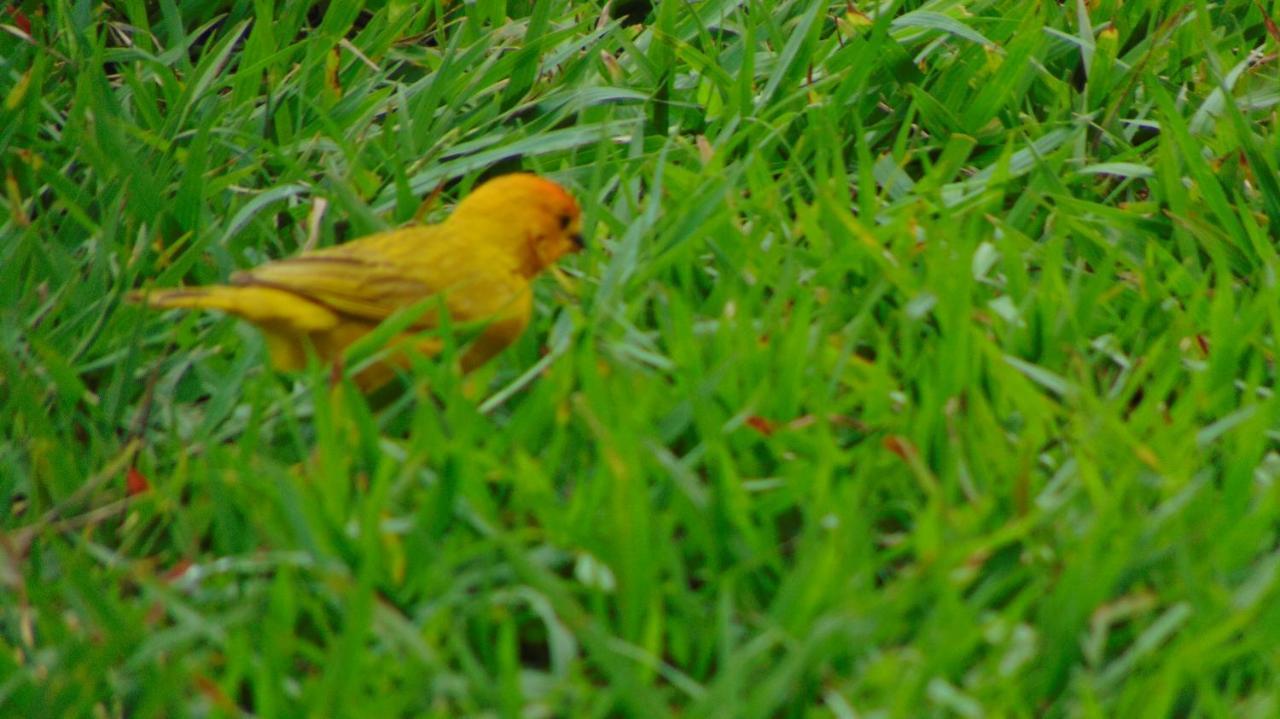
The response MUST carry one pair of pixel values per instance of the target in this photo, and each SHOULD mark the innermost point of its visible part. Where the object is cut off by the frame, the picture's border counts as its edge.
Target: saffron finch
(479, 262)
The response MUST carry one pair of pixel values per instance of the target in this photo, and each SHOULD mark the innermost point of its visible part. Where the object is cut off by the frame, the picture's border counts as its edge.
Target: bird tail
(265, 306)
(216, 297)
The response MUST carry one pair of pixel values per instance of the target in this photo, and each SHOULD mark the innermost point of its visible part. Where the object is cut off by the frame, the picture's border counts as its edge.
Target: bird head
(533, 218)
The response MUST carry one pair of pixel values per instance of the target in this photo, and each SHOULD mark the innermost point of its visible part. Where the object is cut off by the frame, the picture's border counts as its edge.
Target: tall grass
(921, 363)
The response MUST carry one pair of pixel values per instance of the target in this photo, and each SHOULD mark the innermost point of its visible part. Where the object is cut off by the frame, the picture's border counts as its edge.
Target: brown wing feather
(375, 276)
(367, 278)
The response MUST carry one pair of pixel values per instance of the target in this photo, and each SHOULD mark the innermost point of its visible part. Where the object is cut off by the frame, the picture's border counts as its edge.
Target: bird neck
(511, 240)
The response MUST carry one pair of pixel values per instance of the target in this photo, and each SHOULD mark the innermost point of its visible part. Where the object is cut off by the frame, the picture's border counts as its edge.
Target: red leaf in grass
(20, 20)
(901, 446)
(761, 425)
(210, 689)
(1272, 28)
(175, 572)
(135, 482)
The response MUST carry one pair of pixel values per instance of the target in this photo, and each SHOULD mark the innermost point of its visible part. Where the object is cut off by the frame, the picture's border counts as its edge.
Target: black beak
(576, 239)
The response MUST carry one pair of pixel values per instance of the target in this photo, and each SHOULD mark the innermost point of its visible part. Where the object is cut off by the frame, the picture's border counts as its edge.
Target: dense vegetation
(921, 363)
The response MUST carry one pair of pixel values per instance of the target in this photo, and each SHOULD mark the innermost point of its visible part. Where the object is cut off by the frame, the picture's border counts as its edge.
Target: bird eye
(564, 221)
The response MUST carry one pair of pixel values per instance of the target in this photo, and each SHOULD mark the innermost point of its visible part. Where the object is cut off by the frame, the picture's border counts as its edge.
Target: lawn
(920, 363)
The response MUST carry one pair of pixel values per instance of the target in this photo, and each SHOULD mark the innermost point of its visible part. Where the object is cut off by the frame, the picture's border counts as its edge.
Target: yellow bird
(479, 262)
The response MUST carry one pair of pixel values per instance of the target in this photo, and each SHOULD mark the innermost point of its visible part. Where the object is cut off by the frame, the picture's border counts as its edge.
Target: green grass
(921, 363)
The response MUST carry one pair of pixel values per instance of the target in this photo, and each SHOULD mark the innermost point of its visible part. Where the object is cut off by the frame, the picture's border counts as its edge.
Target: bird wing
(374, 276)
